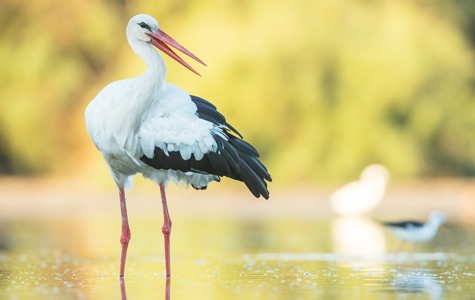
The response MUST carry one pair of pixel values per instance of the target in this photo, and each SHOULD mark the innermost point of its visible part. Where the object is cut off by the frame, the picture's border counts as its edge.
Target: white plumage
(359, 197)
(145, 125)
(411, 231)
(167, 120)
(130, 117)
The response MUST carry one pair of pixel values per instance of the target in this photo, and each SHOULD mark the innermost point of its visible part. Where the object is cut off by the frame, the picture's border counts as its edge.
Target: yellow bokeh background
(321, 88)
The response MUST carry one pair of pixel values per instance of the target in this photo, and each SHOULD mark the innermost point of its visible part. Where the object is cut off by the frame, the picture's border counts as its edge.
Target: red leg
(413, 248)
(125, 236)
(168, 288)
(166, 228)
(398, 250)
(400, 247)
(123, 294)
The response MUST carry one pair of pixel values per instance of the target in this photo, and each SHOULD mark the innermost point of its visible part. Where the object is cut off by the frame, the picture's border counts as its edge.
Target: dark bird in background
(415, 232)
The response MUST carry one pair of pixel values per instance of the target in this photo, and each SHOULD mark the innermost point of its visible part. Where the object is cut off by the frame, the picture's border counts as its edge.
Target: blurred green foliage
(321, 88)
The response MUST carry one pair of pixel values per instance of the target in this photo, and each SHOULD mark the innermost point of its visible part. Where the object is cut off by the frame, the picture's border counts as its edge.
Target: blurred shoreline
(32, 198)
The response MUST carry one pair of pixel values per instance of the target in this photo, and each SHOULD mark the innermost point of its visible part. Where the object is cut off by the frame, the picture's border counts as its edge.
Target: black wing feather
(208, 118)
(244, 147)
(208, 112)
(197, 100)
(233, 130)
(257, 167)
(234, 157)
(232, 151)
(211, 112)
(405, 224)
(253, 179)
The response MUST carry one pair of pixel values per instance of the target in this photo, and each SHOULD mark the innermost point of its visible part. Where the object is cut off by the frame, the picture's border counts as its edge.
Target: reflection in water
(168, 288)
(221, 271)
(355, 235)
(123, 293)
(254, 235)
(416, 282)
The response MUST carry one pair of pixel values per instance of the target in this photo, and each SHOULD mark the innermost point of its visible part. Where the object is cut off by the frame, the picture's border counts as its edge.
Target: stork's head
(145, 29)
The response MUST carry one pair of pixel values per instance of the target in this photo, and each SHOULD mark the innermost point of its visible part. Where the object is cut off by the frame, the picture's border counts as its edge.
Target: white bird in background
(359, 197)
(145, 125)
(415, 232)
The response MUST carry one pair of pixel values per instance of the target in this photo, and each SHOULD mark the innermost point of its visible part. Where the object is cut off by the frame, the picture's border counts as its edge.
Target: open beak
(160, 40)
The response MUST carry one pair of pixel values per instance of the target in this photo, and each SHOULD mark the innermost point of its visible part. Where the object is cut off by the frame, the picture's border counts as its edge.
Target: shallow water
(231, 259)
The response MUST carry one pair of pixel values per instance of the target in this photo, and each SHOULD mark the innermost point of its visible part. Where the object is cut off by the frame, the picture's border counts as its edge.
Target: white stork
(360, 197)
(146, 125)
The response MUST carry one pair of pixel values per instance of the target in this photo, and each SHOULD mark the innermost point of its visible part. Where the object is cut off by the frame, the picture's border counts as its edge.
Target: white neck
(156, 69)
(435, 223)
(148, 86)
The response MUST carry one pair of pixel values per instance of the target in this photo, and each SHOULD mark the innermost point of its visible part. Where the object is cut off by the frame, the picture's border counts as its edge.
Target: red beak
(160, 40)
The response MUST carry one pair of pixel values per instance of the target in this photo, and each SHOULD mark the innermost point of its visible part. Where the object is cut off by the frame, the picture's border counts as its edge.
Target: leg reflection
(168, 288)
(123, 294)
(400, 247)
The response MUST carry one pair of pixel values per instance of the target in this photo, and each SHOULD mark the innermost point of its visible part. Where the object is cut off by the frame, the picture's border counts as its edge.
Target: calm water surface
(231, 259)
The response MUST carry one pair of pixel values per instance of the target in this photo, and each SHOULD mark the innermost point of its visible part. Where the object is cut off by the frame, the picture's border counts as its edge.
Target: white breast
(168, 121)
(416, 234)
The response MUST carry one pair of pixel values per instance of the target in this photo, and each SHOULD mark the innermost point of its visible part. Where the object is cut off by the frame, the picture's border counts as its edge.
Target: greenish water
(230, 259)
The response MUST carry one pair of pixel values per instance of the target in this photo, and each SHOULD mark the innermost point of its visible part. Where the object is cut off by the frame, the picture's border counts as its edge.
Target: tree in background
(323, 88)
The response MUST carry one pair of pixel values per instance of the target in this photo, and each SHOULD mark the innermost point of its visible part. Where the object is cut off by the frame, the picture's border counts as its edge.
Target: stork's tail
(247, 167)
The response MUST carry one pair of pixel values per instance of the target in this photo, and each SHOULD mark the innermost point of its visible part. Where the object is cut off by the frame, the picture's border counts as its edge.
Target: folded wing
(232, 156)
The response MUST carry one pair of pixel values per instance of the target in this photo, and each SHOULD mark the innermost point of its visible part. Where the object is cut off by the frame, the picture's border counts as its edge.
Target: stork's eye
(144, 25)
